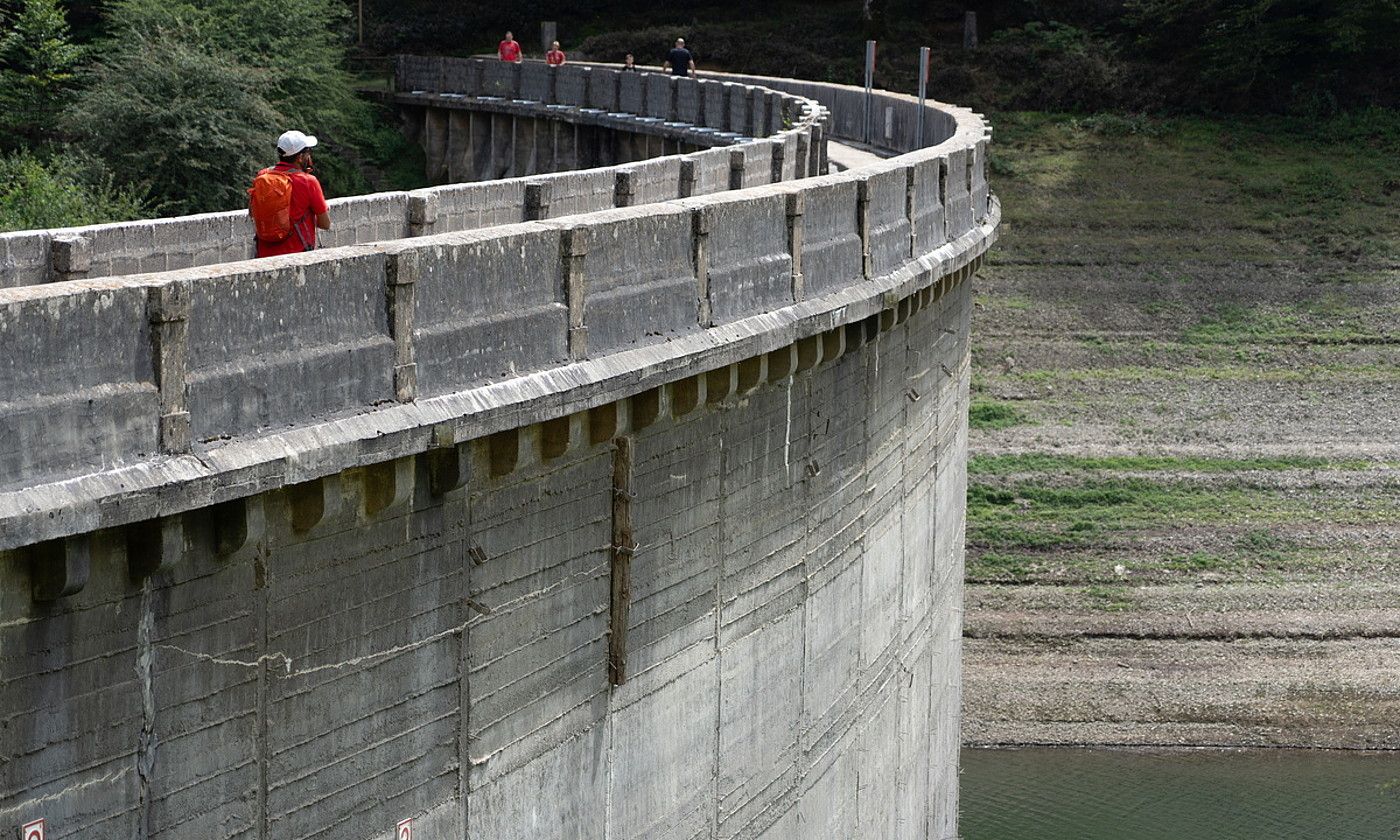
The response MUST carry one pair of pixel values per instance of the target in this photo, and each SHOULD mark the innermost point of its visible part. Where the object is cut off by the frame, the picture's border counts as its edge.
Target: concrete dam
(612, 489)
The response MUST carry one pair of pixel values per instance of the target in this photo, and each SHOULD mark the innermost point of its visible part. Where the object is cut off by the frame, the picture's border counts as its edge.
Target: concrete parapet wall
(888, 204)
(656, 180)
(535, 121)
(363, 218)
(80, 387)
(831, 238)
(284, 340)
(711, 171)
(588, 191)
(638, 282)
(747, 261)
(486, 307)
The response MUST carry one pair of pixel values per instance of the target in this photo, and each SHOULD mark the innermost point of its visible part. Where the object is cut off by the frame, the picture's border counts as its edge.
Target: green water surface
(1079, 794)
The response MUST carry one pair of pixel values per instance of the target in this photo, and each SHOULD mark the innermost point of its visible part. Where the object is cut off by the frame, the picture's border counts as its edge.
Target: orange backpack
(270, 204)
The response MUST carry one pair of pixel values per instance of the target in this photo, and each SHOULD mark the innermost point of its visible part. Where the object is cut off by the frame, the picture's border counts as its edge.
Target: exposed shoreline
(1184, 477)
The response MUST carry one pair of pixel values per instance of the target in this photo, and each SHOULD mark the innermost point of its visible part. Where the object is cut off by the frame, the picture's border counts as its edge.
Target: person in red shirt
(309, 212)
(509, 49)
(555, 56)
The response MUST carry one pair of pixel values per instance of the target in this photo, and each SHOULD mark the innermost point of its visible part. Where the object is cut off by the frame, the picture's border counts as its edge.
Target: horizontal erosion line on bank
(1188, 635)
(1167, 745)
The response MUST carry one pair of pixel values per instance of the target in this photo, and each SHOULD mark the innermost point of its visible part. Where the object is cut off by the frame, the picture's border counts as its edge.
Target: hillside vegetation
(1184, 490)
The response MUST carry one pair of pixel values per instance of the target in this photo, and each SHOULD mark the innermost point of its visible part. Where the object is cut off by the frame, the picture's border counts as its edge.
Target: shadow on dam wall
(558, 529)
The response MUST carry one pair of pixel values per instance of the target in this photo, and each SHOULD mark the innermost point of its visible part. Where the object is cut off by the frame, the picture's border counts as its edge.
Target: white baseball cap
(292, 142)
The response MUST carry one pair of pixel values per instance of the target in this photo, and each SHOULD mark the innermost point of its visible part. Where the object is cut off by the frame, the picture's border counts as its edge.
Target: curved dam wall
(638, 523)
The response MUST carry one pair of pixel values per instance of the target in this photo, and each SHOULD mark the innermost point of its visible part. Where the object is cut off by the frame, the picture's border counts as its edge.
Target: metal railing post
(869, 85)
(923, 94)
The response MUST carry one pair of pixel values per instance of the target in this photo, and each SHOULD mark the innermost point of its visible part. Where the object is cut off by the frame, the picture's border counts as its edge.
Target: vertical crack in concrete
(787, 434)
(724, 429)
(146, 742)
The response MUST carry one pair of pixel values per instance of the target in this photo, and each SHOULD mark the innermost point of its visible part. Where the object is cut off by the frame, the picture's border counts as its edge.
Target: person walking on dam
(286, 202)
(509, 49)
(555, 56)
(679, 60)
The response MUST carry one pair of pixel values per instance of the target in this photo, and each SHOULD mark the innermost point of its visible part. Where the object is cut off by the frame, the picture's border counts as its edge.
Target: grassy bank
(1187, 356)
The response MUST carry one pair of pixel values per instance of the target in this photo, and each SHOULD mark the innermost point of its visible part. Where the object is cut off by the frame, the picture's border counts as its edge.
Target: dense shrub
(38, 195)
(1300, 55)
(186, 99)
(1055, 66)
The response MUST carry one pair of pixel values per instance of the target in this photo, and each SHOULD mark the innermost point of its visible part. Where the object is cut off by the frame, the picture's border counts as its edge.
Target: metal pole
(923, 94)
(869, 83)
(362, 22)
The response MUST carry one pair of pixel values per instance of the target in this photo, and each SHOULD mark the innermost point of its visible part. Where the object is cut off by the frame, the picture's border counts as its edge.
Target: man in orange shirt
(509, 49)
(555, 56)
(308, 212)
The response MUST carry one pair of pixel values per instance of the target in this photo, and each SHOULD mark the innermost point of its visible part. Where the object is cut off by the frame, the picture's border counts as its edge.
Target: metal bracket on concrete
(623, 548)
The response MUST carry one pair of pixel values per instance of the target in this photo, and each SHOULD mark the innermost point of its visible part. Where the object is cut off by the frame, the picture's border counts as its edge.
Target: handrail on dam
(287, 368)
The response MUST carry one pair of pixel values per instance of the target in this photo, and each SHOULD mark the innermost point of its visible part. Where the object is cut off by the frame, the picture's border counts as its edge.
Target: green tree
(183, 122)
(37, 62)
(242, 71)
(299, 44)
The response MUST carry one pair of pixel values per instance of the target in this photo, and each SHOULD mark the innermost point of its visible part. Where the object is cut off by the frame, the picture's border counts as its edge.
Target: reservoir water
(1081, 794)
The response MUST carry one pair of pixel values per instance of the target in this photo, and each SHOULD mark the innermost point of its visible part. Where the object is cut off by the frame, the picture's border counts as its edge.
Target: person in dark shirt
(629, 63)
(679, 60)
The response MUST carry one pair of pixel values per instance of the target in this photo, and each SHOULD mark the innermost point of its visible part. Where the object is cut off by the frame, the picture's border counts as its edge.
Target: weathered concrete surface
(444, 656)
